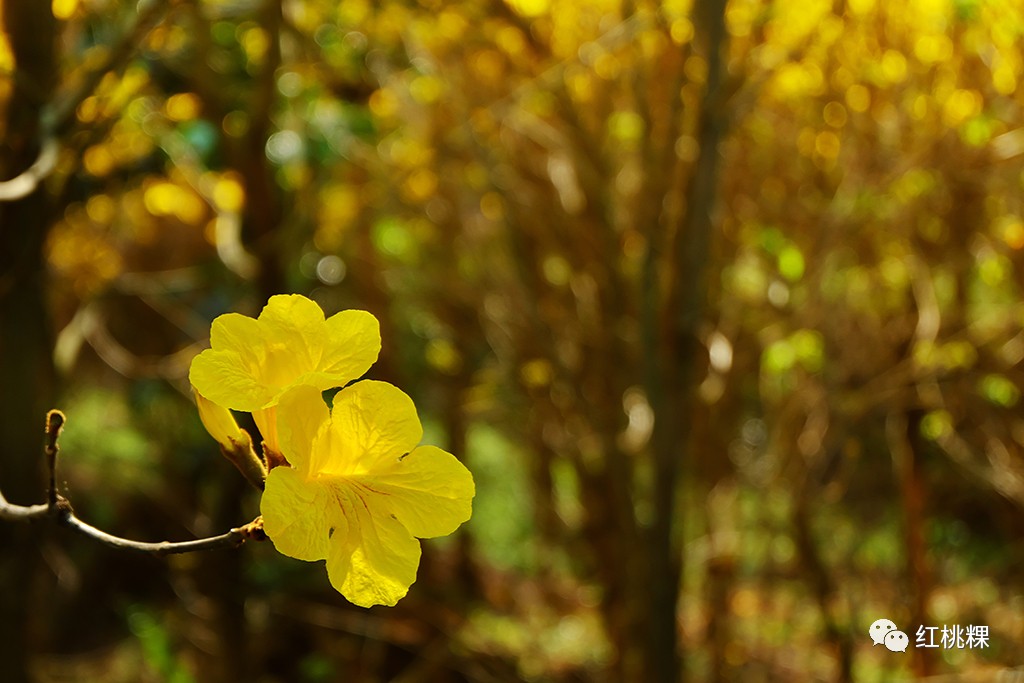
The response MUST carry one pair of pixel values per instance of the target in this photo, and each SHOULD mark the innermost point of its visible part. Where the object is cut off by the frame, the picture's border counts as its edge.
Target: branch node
(62, 507)
(253, 531)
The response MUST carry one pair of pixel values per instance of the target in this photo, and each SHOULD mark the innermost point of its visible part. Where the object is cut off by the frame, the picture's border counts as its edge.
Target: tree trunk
(26, 365)
(673, 396)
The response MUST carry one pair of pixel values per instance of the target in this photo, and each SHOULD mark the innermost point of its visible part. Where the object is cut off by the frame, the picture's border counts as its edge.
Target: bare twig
(24, 183)
(58, 509)
(54, 424)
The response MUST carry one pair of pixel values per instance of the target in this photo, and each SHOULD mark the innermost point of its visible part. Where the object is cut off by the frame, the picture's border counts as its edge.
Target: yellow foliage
(64, 9)
(920, 107)
(408, 152)
(89, 109)
(834, 114)
(681, 31)
(1012, 229)
(797, 79)
(228, 193)
(607, 66)
(860, 7)
(488, 65)
(794, 20)
(492, 207)
(98, 160)
(182, 107)
(6, 84)
(6, 55)
(82, 256)
(827, 144)
(451, 25)
(536, 373)
(739, 17)
(931, 49)
(353, 12)
(135, 77)
(170, 199)
(101, 209)
(442, 355)
(858, 98)
(530, 8)
(338, 208)
(255, 42)
(894, 66)
(420, 185)
(960, 106)
(580, 82)
(510, 40)
(931, 15)
(676, 8)
(384, 103)
(1004, 77)
(426, 89)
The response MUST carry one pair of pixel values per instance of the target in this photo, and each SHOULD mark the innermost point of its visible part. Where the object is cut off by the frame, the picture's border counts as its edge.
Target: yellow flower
(252, 362)
(359, 491)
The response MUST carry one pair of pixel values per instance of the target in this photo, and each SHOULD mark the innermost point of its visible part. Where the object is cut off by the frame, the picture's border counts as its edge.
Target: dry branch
(59, 510)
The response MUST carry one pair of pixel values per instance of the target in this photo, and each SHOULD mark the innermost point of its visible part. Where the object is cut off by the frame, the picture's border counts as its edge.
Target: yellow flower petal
(235, 331)
(429, 491)
(228, 379)
(347, 331)
(302, 518)
(302, 420)
(292, 331)
(252, 362)
(266, 422)
(376, 563)
(373, 424)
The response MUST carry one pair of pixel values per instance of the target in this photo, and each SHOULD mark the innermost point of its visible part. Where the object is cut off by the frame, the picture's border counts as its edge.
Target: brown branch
(64, 516)
(54, 424)
(25, 182)
(58, 509)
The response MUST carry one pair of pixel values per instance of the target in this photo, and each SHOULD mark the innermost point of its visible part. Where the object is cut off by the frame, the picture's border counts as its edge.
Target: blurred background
(720, 303)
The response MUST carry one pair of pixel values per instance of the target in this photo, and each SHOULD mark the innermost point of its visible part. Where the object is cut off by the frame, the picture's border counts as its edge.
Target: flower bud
(235, 442)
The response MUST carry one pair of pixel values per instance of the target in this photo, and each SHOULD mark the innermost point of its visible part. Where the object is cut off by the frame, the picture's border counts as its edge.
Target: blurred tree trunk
(224, 586)
(26, 364)
(823, 584)
(456, 427)
(908, 445)
(673, 378)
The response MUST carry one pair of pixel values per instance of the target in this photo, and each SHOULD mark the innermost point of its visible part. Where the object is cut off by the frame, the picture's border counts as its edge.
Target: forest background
(720, 304)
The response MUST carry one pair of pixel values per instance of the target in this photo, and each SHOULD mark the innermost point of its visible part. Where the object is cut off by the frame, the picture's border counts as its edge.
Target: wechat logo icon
(885, 632)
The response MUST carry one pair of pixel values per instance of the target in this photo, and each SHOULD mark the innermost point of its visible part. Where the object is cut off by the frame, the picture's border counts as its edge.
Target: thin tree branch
(230, 539)
(54, 424)
(25, 182)
(58, 509)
